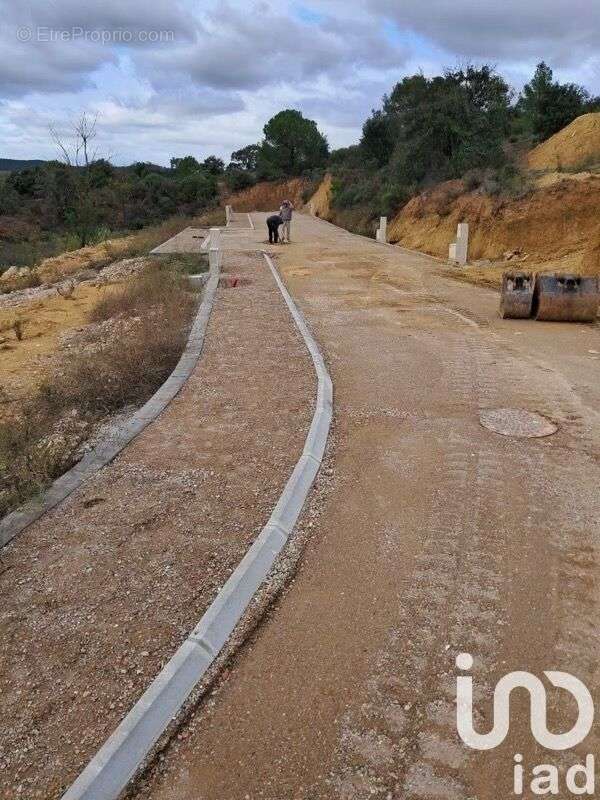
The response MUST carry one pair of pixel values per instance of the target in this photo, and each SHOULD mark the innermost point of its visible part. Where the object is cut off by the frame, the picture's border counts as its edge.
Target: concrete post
(462, 243)
(214, 248)
(311, 208)
(381, 234)
(228, 213)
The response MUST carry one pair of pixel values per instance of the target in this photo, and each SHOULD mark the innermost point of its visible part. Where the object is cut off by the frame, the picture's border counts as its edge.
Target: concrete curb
(116, 762)
(16, 522)
(165, 249)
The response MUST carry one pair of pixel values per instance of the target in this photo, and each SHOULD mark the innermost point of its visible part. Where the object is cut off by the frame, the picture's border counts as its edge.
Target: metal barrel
(566, 298)
(516, 299)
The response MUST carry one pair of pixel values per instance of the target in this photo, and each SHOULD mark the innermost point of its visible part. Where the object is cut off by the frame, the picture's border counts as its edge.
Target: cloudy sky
(172, 77)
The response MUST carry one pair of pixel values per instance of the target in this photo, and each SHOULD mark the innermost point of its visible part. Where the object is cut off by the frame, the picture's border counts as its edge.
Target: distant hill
(14, 165)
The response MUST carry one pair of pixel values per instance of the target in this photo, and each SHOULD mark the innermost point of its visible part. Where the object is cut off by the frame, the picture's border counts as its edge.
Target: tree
(350, 157)
(378, 137)
(440, 127)
(82, 213)
(246, 158)
(238, 179)
(547, 106)
(101, 173)
(77, 153)
(185, 166)
(214, 165)
(292, 145)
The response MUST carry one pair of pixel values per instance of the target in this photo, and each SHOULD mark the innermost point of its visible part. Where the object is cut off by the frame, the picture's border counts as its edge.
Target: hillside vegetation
(59, 206)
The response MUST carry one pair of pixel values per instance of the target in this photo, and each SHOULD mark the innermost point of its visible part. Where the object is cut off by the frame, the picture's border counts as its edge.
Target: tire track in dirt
(403, 742)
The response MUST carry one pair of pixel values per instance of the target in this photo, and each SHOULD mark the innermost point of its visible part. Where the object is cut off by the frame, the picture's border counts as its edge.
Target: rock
(85, 275)
(11, 272)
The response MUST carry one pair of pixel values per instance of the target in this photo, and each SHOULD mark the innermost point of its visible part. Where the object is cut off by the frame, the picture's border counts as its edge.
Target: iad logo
(537, 695)
(545, 776)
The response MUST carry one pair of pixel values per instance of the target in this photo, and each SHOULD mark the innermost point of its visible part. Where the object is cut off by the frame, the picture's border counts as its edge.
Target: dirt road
(437, 537)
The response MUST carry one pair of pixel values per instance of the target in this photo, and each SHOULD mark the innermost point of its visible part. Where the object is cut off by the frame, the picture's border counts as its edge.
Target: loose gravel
(96, 596)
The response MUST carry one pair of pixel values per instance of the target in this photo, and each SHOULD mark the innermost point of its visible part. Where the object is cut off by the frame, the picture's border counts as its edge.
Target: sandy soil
(49, 320)
(576, 145)
(97, 595)
(267, 195)
(437, 536)
(24, 363)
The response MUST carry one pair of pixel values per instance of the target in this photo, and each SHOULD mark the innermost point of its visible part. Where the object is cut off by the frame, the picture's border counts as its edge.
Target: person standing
(273, 223)
(285, 212)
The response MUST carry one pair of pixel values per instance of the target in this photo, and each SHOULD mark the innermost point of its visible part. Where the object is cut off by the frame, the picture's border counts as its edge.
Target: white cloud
(231, 65)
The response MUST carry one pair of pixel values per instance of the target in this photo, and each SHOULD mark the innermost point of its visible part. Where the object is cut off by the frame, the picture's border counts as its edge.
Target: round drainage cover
(517, 422)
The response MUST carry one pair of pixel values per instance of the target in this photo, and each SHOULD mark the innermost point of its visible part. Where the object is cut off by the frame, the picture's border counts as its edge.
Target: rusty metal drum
(516, 300)
(566, 298)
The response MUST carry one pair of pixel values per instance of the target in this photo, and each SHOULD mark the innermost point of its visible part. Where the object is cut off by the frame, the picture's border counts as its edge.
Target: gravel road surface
(437, 536)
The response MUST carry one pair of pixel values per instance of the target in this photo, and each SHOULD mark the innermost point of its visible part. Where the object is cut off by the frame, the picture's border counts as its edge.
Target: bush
(239, 179)
(117, 370)
(393, 197)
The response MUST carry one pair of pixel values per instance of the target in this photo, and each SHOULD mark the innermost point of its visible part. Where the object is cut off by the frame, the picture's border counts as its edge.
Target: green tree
(214, 165)
(238, 179)
(378, 137)
(246, 158)
(440, 127)
(547, 106)
(187, 165)
(292, 145)
(101, 173)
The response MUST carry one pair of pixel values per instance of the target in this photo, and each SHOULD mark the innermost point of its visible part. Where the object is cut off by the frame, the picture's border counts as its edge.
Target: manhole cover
(517, 422)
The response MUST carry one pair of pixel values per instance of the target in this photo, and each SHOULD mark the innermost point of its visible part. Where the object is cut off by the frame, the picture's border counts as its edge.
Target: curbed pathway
(98, 594)
(116, 762)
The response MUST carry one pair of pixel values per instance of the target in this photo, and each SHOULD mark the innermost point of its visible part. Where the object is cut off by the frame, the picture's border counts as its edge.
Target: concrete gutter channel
(16, 522)
(117, 761)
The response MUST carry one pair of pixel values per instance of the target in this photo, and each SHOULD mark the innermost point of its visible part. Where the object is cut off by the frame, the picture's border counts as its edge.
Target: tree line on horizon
(464, 123)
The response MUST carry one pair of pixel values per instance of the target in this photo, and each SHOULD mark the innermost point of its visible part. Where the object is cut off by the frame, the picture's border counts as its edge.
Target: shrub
(393, 197)
(124, 365)
(239, 179)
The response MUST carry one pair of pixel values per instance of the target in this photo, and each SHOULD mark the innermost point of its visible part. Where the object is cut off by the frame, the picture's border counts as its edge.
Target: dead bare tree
(76, 152)
(84, 131)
